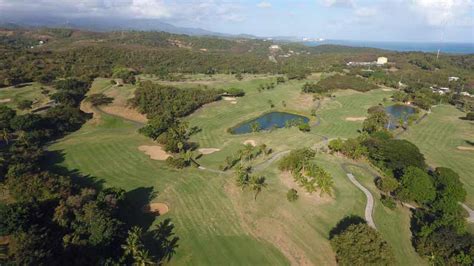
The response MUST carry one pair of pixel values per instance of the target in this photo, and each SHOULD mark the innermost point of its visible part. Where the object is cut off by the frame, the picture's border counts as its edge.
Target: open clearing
(464, 148)
(216, 221)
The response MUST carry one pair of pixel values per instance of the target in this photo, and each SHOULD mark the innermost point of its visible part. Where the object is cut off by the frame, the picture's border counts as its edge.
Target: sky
(374, 20)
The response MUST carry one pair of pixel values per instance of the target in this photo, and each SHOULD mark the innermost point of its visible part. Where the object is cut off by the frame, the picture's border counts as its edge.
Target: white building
(382, 60)
(274, 47)
(453, 78)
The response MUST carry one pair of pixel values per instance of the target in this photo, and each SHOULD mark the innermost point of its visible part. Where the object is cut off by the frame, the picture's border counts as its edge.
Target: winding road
(369, 207)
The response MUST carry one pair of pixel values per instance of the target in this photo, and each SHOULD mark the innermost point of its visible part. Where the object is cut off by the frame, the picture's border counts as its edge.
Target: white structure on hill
(382, 60)
(274, 47)
(453, 78)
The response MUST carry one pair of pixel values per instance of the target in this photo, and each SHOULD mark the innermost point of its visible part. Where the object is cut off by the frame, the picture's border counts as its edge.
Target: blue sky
(377, 20)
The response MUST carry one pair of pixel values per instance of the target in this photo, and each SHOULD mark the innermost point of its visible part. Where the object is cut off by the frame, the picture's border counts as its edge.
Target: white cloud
(339, 3)
(264, 4)
(442, 12)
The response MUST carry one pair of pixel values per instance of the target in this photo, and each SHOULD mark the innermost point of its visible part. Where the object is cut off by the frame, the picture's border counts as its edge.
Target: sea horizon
(405, 46)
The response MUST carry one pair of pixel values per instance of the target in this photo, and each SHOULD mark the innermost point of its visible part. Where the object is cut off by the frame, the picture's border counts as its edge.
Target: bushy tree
(360, 244)
(24, 104)
(416, 185)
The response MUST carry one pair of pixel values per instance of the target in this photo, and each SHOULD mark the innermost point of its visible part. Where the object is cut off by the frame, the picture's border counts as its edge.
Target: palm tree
(242, 179)
(134, 247)
(325, 182)
(257, 184)
(6, 135)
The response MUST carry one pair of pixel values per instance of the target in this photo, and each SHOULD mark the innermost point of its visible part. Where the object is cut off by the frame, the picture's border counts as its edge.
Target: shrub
(178, 163)
(235, 92)
(304, 127)
(470, 116)
(388, 202)
(99, 99)
(292, 195)
(296, 159)
(24, 104)
(387, 184)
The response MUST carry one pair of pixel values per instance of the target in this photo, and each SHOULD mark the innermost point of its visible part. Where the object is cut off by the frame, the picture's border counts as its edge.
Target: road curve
(369, 207)
(469, 219)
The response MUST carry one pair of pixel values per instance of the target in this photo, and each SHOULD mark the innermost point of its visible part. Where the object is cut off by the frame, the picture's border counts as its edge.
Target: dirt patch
(155, 152)
(208, 150)
(286, 179)
(464, 148)
(125, 112)
(357, 118)
(387, 89)
(226, 98)
(156, 208)
(5, 100)
(251, 142)
(233, 102)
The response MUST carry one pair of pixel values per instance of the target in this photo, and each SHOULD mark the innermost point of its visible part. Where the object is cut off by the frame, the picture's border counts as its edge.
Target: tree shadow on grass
(343, 224)
(162, 241)
(133, 213)
(52, 161)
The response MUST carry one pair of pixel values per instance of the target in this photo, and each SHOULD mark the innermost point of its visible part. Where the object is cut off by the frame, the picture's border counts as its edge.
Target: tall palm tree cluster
(311, 177)
(244, 180)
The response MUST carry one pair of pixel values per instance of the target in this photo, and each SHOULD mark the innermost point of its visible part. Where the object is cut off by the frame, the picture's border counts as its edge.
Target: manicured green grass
(30, 91)
(217, 222)
(438, 137)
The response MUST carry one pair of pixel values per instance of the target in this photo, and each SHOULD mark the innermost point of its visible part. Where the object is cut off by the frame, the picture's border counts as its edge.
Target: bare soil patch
(233, 102)
(356, 118)
(286, 179)
(155, 152)
(387, 89)
(5, 100)
(208, 150)
(464, 148)
(125, 112)
(251, 142)
(158, 208)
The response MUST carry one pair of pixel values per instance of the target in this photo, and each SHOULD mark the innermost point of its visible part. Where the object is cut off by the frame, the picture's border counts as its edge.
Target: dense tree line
(52, 218)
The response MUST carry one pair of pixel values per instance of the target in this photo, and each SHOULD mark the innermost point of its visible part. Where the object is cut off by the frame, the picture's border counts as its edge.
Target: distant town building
(440, 90)
(453, 78)
(274, 47)
(382, 60)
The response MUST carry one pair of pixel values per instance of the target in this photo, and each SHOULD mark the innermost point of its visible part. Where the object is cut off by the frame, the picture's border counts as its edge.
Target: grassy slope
(438, 136)
(217, 223)
(30, 92)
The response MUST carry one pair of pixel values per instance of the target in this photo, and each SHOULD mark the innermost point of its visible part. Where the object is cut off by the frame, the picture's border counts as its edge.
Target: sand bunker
(226, 98)
(464, 148)
(386, 89)
(251, 142)
(233, 102)
(156, 208)
(5, 100)
(208, 150)
(155, 152)
(359, 118)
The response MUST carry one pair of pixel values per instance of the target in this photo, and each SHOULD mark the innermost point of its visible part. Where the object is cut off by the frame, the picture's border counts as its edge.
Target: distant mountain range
(100, 24)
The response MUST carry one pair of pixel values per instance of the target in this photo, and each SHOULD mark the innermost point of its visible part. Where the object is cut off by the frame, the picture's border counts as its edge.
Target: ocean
(452, 48)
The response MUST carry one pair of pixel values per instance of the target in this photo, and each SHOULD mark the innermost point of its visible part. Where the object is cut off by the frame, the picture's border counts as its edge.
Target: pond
(268, 121)
(398, 111)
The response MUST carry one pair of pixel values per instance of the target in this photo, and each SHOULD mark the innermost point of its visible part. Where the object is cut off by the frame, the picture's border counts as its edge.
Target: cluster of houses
(380, 62)
(276, 48)
(445, 90)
